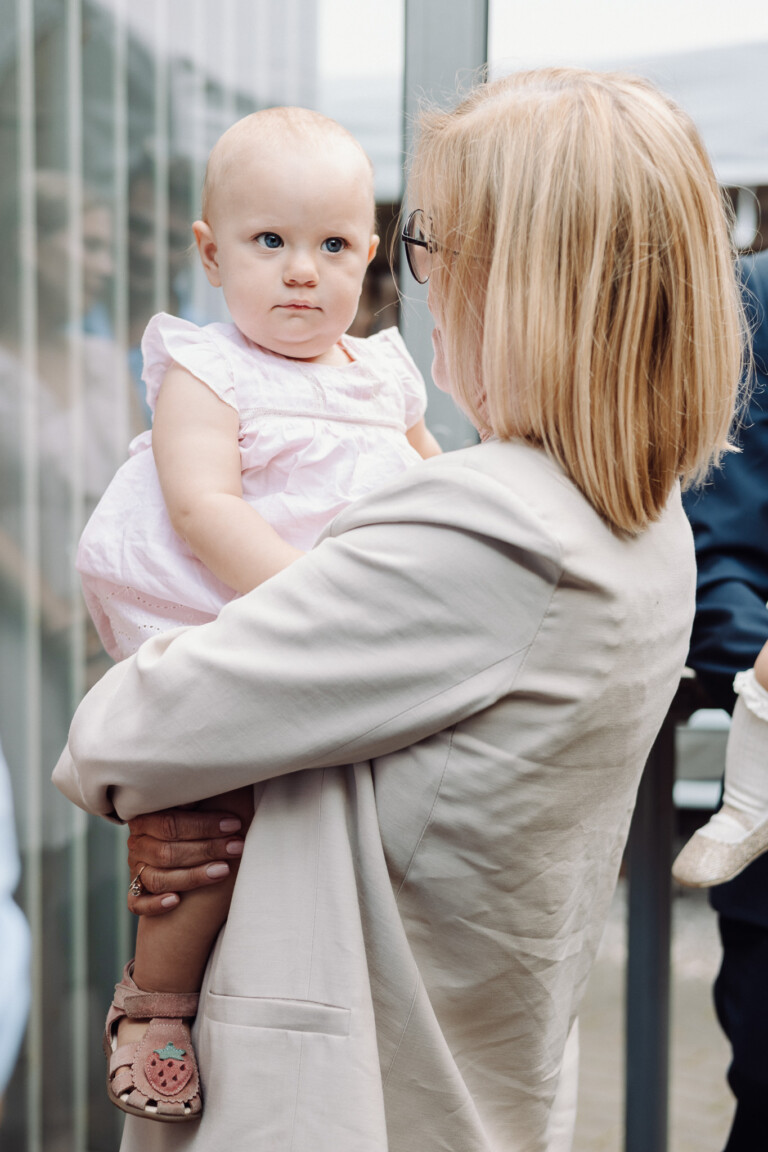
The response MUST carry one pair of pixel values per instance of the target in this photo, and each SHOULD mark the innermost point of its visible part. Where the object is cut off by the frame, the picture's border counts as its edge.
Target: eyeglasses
(419, 246)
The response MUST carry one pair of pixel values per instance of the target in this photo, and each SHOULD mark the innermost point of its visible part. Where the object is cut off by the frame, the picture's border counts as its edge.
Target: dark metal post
(649, 856)
(648, 964)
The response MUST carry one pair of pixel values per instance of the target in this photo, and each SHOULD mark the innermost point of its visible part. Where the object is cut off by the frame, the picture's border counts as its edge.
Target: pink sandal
(156, 1077)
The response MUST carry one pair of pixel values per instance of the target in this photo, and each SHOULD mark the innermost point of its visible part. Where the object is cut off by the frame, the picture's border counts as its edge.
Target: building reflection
(108, 115)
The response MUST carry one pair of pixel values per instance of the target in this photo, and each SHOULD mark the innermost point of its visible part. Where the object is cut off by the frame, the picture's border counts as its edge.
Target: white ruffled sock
(746, 765)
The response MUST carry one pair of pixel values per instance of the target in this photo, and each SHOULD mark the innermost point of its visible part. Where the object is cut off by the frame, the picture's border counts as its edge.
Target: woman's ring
(136, 888)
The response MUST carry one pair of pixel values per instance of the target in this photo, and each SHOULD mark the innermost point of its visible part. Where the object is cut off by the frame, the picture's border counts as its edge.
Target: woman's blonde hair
(587, 290)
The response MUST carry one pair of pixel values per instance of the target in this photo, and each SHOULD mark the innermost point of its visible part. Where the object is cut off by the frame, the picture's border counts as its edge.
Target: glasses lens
(419, 256)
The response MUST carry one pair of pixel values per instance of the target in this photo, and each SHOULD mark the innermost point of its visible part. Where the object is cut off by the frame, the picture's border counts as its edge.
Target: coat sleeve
(414, 612)
(729, 517)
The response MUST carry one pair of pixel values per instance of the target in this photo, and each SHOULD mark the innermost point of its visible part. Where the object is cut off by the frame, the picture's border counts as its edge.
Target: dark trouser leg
(741, 1000)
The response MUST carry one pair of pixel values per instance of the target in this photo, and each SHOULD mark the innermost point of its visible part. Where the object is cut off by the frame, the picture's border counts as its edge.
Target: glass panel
(360, 84)
(446, 46)
(110, 108)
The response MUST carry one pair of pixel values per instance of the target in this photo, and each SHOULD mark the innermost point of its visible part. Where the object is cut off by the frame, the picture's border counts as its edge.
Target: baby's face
(290, 240)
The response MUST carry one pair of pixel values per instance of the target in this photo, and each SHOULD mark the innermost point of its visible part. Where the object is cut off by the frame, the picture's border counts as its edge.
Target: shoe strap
(140, 1005)
(144, 1005)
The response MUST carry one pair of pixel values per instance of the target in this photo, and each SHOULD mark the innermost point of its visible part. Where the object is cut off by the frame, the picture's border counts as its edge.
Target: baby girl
(263, 430)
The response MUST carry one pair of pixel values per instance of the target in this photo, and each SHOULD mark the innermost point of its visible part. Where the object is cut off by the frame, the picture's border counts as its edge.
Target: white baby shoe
(738, 833)
(707, 859)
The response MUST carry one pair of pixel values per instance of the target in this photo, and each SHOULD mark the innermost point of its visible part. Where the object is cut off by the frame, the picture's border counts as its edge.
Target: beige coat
(445, 708)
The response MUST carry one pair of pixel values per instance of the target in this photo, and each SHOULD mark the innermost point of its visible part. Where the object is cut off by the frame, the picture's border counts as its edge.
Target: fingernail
(217, 870)
(169, 901)
(231, 824)
(235, 848)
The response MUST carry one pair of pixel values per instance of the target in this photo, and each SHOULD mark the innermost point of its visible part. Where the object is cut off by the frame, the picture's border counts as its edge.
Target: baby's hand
(178, 850)
(761, 668)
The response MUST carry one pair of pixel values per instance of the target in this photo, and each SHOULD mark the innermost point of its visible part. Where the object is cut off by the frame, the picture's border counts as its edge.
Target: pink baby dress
(313, 438)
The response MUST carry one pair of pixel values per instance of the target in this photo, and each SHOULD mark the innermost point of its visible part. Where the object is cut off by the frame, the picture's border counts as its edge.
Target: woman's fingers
(186, 824)
(162, 886)
(144, 849)
(177, 851)
(183, 838)
(149, 905)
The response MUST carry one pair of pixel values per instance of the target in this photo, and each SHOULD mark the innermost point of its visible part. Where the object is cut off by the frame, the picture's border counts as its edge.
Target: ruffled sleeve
(168, 340)
(414, 389)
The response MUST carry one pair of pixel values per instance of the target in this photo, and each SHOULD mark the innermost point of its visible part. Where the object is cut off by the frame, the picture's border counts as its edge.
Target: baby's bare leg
(172, 950)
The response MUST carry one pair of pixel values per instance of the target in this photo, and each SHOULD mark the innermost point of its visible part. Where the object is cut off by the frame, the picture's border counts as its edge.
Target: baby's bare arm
(195, 444)
(761, 668)
(420, 438)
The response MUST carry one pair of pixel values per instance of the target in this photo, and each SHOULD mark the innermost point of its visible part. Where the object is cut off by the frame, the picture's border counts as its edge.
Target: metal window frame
(446, 43)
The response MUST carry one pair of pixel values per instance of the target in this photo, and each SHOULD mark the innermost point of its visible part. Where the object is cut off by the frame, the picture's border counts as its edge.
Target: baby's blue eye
(269, 240)
(333, 244)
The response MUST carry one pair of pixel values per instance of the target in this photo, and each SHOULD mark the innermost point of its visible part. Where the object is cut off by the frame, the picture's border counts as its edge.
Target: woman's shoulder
(479, 490)
(541, 484)
(502, 519)
(515, 494)
(512, 469)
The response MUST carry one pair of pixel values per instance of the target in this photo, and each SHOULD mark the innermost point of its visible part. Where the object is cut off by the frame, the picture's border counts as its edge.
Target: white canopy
(725, 90)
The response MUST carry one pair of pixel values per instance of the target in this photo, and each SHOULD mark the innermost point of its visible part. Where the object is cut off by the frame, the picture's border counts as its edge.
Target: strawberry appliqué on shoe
(156, 1077)
(166, 1069)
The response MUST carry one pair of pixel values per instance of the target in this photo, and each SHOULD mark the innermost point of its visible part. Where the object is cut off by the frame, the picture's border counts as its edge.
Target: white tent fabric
(725, 90)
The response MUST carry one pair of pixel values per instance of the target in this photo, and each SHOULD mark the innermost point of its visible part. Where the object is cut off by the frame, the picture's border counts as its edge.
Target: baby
(264, 429)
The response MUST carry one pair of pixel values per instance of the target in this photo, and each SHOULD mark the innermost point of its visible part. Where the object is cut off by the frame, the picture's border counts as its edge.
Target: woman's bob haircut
(587, 292)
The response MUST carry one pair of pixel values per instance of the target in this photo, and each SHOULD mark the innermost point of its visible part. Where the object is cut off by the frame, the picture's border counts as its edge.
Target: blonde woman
(445, 707)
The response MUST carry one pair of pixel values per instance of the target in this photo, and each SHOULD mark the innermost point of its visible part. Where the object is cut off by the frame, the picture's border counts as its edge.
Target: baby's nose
(300, 267)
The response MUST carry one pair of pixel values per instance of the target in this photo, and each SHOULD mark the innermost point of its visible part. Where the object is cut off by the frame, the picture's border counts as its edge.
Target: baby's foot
(151, 1065)
(738, 833)
(131, 1031)
(721, 849)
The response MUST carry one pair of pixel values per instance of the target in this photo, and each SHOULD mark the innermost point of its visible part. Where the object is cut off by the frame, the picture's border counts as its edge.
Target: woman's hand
(178, 850)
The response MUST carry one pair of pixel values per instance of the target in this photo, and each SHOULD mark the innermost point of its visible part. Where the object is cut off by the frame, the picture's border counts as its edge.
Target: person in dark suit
(729, 517)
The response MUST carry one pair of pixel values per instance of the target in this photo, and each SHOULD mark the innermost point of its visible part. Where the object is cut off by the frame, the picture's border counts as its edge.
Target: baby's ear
(372, 247)
(206, 246)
